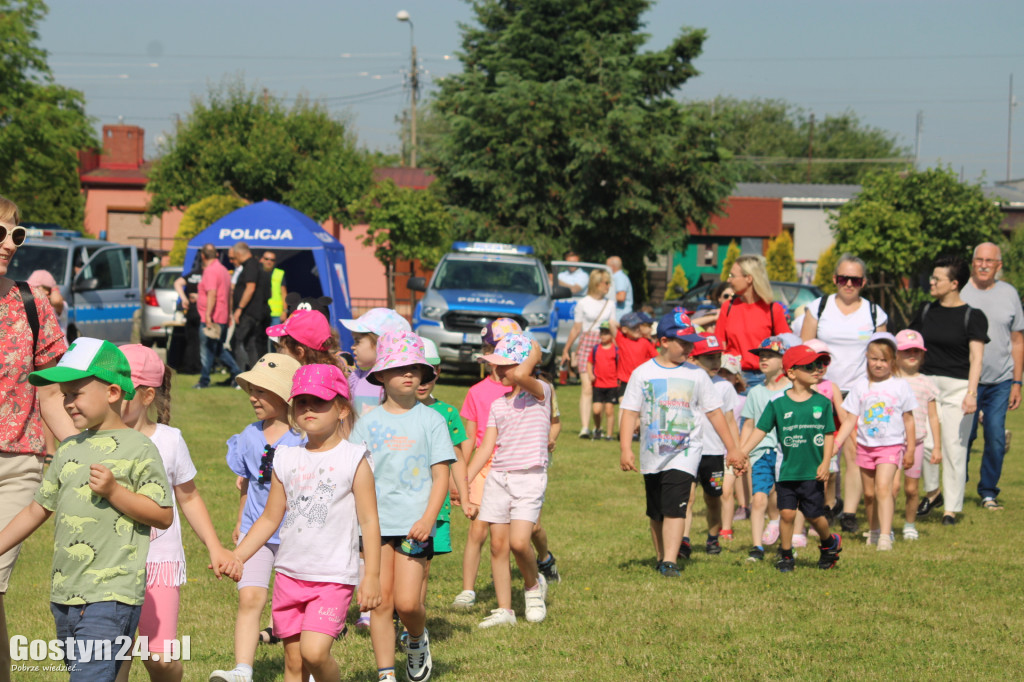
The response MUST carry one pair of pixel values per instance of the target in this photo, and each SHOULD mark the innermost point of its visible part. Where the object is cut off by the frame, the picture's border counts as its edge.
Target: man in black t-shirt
(250, 311)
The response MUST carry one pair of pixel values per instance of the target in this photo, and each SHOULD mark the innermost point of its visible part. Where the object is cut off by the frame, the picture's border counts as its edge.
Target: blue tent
(312, 259)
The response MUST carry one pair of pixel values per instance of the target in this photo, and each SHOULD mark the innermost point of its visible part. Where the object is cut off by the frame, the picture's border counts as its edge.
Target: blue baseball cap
(677, 325)
(635, 319)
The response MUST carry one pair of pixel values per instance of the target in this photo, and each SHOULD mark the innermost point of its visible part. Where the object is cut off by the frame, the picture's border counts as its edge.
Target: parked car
(477, 282)
(100, 281)
(790, 294)
(159, 306)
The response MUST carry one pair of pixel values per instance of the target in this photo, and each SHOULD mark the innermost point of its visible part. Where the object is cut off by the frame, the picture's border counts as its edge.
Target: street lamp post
(414, 82)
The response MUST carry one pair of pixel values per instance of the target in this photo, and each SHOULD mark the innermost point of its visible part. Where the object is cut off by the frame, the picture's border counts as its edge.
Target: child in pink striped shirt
(514, 493)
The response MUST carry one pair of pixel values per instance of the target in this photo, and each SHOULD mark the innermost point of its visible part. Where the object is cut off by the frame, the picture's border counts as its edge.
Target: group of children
(348, 475)
(793, 427)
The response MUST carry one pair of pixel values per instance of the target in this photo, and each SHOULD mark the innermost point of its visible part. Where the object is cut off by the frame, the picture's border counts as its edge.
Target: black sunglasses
(267, 464)
(819, 364)
(844, 280)
(17, 234)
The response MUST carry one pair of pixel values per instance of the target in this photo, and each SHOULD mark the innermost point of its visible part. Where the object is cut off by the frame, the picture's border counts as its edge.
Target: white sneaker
(536, 610)
(233, 675)
(884, 543)
(498, 617)
(418, 663)
(363, 622)
(873, 537)
(910, 533)
(465, 600)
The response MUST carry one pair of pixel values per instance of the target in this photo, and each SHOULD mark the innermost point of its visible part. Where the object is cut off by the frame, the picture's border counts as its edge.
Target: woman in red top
(751, 316)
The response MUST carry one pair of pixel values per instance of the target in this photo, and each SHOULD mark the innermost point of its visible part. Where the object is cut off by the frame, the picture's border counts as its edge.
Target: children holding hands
(802, 419)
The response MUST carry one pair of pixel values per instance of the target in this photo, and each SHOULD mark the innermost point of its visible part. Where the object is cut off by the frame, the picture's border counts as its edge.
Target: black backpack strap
(822, 302)
(771, 316)
(967, 321)
(873, 309)
(29, 301)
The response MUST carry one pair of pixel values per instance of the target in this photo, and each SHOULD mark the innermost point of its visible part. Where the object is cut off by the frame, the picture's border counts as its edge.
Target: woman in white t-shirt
(845, 321)
(591, 311)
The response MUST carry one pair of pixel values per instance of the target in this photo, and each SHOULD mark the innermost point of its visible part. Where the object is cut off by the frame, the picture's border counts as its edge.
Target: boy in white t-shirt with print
(667, 397)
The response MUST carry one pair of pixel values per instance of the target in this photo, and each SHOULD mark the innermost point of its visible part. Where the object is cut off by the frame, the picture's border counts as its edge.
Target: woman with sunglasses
(845, 321)
(750, 316)
(22, 351)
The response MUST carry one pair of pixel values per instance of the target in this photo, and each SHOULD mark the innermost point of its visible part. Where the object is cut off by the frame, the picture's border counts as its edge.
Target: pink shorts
(307, 606)
(257, 570)
(915, 471)
(159, 619)
(517, 495)
(871, 457)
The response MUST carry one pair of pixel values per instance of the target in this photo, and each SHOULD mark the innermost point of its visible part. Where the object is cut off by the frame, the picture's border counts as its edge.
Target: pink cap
(147, 368)
(909, 339)
(323, 381)
(818, 346)
(308, 327)
(42, 278)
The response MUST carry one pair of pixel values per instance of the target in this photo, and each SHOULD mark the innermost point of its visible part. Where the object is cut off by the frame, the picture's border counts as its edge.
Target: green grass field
(946, 607)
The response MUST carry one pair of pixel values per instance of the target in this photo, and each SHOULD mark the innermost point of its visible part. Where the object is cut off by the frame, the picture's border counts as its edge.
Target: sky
(143, 61)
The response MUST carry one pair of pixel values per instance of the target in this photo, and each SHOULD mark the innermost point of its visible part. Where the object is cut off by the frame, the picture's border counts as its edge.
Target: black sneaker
(712, 547)
(549, 570)
(848, 523)
(926, 506)
(785, 564)
(830, 555)
(756, 554)
(685, 550)
(668, 569)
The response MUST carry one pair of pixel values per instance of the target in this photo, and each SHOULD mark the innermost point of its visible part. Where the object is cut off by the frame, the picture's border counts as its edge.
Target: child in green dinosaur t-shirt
(107, 486)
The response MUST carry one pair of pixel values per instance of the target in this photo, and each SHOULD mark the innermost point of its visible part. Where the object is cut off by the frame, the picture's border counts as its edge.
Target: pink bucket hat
(323, 381)
(499, 329)
(909, 339)
(511, 350)
(308, 327)
(147, 368)
(400, 349)
(818, 346)
(377, 321)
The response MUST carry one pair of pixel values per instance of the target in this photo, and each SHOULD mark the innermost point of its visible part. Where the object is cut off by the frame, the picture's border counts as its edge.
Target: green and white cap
(88, 357)
(430, 352)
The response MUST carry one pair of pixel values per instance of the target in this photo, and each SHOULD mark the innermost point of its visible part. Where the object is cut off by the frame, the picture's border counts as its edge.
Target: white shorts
(257, 570)
(514, 495)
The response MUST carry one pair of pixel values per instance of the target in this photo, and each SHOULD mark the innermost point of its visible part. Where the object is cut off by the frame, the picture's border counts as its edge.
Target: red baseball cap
(800, 355)
(707, 345)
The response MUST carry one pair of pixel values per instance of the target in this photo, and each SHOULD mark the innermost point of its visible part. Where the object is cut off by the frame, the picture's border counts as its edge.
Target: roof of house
(1011, 194)
(797, 193)
(415, 178)
(118, 176)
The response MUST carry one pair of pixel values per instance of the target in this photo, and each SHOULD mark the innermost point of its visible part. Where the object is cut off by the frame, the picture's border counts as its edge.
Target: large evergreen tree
(562, 134)
(42, 124)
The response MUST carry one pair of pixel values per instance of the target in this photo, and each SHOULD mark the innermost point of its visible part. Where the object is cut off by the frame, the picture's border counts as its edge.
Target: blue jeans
(993, 401)
(102, 621)
(210, 349)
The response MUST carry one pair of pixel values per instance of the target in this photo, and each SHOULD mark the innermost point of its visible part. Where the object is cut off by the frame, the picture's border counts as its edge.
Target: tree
(781, 262)
(772, 140)
(731, 254)
(1013, 259)
(402, 224)
(250, 144)
(42, 124)
(197, 218)
(900, 222)
(678, 285)
(560, 133)
(826, 267)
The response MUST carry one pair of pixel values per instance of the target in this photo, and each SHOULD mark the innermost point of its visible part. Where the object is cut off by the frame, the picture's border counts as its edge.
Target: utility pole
(810, 148)
(917, 139)
(1009, 135)
(414, 81)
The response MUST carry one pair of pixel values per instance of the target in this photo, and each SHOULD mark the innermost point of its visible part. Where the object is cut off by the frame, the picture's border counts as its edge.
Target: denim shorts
(102, 621)
(764, 472)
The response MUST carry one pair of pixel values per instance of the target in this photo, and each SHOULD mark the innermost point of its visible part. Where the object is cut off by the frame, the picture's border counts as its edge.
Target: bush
(678, 285)
(826, 267)
(781, 262)
(731, 254)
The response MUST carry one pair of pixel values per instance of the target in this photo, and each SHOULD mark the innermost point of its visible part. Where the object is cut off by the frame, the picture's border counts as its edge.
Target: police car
(98, 280)
(477, 282)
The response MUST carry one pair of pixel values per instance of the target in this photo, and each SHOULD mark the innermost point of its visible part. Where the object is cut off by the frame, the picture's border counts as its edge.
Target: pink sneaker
(799, 540)
(771, 534)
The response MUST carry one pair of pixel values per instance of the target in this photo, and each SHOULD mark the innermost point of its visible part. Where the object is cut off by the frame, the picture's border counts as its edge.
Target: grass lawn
(946, 607)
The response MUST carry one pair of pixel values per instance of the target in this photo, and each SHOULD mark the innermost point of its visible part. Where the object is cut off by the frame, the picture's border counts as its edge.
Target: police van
(477, 282)
(100, 281)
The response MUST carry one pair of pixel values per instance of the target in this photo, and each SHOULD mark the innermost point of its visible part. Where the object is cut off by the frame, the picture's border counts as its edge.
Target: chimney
(122, 147)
